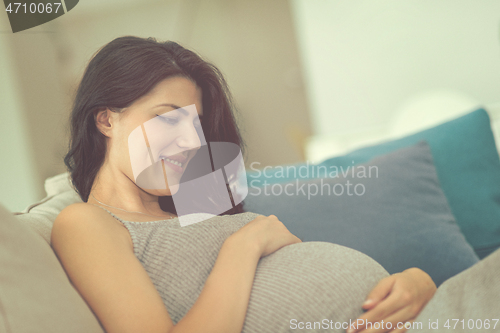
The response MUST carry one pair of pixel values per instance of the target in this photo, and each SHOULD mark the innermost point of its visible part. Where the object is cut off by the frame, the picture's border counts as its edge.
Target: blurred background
(311, 78)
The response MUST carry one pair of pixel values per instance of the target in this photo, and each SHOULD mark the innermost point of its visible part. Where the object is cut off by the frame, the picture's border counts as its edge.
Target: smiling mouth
(174, 165)
(172, 161)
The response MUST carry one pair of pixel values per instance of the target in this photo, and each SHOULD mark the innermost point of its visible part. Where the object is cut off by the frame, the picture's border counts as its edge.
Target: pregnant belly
(311, 286)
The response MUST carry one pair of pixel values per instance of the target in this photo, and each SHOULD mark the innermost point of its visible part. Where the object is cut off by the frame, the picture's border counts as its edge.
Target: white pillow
(40, 216)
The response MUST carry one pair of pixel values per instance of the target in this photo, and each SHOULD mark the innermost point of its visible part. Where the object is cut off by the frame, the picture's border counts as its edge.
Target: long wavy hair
(121, 72)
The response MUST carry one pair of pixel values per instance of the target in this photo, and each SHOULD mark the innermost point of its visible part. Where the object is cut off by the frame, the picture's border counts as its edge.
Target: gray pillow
(399, 215)
(35, 292)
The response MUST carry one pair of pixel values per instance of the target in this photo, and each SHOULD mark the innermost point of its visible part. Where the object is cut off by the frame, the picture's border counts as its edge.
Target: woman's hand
(398, 298)
(266, 234)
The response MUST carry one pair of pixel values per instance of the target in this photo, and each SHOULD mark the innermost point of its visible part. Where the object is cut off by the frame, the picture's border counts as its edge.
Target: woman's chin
(171, 190)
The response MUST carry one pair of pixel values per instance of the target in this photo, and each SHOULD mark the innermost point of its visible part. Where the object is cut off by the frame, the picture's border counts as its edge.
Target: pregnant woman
(139, 270)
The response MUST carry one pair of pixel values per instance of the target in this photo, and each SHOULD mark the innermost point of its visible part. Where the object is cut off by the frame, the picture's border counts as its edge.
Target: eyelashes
(169, 120)
(175, 121)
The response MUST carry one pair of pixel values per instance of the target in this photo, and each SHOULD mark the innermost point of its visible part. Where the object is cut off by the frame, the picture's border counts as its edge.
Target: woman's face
(153, 140)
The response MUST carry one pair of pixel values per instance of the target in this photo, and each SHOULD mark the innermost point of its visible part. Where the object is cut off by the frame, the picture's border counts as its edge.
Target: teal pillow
(467, 164)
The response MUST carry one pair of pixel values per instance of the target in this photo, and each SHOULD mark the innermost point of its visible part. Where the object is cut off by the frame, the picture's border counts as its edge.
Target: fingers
(394, 301)
(388, 306)
(395, 308)
(270, 233)
(381, 290)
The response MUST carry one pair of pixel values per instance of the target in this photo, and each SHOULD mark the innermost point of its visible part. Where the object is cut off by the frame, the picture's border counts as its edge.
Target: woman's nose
(189, 137)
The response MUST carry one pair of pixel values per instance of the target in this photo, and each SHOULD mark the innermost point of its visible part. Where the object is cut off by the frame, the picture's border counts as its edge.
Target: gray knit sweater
(316, 286)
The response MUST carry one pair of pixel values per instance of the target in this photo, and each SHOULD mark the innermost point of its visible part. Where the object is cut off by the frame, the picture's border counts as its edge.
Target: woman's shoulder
(78, 206)
(82, 211)
(84, 218)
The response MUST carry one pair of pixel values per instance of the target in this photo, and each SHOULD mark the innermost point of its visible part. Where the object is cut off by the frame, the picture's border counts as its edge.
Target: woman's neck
(115, 189)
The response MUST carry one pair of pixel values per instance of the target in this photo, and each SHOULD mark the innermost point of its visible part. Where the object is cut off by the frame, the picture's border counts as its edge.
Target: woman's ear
(102, 122)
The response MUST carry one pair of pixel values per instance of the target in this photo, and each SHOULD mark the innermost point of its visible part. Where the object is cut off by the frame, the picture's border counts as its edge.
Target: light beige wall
(36, 61)
(257, 50)
(18, 181)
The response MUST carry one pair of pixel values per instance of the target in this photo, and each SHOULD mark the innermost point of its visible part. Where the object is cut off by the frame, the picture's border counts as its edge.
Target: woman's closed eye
(175, 120)
(169, 120)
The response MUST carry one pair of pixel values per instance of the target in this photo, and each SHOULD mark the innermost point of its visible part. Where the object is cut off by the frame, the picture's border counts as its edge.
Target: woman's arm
(222, 304)
(98, 257)
(398, 298)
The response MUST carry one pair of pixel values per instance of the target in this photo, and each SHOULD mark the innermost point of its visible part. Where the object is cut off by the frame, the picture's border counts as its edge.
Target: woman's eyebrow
(175, 107)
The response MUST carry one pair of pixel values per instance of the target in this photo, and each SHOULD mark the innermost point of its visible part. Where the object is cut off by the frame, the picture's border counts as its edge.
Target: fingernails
(368, 302)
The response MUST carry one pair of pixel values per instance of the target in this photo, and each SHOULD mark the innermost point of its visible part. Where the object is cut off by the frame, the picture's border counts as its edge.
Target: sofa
(434, 204)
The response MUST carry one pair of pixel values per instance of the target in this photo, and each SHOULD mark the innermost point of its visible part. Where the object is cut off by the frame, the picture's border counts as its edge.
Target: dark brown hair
(121, 72)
